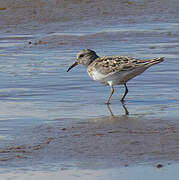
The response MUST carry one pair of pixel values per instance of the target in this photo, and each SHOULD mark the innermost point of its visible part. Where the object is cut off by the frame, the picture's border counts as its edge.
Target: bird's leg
(126, 91)
(112, 91)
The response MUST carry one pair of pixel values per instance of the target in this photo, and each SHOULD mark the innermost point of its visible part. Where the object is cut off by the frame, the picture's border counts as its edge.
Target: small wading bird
(112, 70)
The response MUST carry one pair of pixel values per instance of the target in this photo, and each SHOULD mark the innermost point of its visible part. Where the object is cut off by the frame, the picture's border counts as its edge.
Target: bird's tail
(154, 61)
(158, 60)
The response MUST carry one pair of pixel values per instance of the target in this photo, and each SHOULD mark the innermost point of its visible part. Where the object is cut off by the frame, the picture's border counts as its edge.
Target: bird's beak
(73, 65)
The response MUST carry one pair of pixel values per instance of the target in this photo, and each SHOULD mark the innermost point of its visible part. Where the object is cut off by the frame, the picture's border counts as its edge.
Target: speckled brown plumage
(108, 64)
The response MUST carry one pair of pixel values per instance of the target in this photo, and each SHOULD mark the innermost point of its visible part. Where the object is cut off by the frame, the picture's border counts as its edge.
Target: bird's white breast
(97, 76)
(105, 78)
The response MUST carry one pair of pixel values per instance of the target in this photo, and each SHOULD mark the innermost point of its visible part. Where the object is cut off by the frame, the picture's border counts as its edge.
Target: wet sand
(56, 123)
(123, 145)
(31, 16)
(101, 142)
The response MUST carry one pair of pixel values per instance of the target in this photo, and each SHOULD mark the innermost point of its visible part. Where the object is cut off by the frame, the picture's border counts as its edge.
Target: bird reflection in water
(124, 107)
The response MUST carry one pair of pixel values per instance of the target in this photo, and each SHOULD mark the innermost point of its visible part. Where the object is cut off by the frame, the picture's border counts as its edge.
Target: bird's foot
(107, 103)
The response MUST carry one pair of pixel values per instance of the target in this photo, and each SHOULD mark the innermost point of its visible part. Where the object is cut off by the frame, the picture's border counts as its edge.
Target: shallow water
(50, 118)
(36, 89)
(126, 173)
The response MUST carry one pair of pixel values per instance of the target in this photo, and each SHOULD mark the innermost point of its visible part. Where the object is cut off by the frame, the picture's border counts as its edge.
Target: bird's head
(84, 57)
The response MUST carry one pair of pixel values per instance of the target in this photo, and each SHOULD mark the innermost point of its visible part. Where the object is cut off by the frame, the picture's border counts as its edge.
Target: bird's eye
(81, 55)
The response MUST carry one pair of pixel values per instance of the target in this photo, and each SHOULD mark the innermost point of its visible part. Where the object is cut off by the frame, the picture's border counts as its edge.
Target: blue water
(38, 97)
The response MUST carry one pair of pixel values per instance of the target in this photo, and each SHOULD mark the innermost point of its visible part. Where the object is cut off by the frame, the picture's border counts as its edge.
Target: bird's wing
(109, 64)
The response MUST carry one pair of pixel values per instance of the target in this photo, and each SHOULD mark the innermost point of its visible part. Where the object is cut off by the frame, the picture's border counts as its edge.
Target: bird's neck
(92, 58)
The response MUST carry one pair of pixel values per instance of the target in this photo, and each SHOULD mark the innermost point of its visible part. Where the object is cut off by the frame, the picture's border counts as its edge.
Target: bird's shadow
(123, 105)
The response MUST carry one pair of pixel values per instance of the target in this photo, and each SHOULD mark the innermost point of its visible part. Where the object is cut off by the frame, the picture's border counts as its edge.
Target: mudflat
(57, 123)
